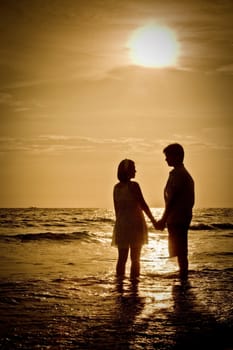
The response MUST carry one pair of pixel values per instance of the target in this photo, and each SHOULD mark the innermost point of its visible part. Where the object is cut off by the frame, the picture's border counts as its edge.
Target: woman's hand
(160, 225)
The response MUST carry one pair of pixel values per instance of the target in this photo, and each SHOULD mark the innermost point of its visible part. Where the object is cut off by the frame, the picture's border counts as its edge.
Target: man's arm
(173, 189)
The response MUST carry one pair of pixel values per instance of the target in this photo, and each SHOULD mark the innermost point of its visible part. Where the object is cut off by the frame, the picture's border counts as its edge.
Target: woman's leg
(135, 253)
(122, 258)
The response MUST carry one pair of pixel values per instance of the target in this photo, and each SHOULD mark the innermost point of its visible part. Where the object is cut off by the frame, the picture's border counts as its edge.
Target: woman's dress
(130, 227)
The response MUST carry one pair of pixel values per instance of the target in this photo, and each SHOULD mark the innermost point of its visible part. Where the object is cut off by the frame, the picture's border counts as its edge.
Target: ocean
(58, 288)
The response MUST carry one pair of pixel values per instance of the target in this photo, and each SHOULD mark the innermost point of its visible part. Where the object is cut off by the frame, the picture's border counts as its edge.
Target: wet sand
(156, 312)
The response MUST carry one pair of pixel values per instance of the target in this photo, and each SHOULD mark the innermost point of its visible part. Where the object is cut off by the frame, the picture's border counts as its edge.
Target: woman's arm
(142, 202)
(115, 201)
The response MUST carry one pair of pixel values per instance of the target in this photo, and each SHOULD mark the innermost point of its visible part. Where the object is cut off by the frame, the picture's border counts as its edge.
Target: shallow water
(93, 313)
(58, 289)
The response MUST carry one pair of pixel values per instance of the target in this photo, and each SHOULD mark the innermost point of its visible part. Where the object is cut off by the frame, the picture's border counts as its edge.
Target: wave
(219, 254)
(49, 236)
(54, 223)
(210, 227)
(98, 219)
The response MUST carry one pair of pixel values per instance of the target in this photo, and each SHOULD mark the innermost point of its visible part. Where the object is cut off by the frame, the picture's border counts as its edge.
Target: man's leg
(183, 265)
(178, 246)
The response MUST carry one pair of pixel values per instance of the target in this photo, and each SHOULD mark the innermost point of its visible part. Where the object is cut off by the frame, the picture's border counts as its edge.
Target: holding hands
(160, 225)
(154, 222)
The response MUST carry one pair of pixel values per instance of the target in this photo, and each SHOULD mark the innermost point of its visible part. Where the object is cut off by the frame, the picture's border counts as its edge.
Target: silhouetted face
(171, 160)
(132, 171)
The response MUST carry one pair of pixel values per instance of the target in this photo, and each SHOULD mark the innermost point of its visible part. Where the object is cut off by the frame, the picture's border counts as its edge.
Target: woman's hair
(175, 150)
(124, 171)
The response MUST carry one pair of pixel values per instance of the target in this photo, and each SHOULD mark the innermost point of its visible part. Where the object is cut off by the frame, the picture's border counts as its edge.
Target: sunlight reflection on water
(155, 257)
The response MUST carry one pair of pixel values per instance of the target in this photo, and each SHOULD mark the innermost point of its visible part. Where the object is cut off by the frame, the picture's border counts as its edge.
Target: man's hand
(160, 225)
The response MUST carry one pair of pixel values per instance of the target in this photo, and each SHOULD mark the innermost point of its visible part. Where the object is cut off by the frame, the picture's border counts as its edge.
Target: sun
(154, 46)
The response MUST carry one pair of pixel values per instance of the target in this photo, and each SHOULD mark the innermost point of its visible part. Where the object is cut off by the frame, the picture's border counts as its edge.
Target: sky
(73, 104)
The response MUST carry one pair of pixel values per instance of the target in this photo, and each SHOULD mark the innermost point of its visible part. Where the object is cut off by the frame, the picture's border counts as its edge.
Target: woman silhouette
(130, 230)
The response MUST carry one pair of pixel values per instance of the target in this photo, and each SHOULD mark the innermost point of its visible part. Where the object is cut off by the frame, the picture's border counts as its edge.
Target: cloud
(55, 144)
(226, 69)
(18, 105)
(5, 98)
(61, 144)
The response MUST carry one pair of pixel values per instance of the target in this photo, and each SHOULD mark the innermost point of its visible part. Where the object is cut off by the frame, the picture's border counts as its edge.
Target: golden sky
(73, 104)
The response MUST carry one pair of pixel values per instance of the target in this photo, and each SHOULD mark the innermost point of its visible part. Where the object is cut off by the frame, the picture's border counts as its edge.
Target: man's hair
(175, 150)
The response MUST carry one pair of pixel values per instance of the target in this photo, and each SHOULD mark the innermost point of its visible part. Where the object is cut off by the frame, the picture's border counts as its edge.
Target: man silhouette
(179, 201)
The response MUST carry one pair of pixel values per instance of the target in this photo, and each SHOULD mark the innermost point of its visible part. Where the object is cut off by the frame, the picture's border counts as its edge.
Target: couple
(130, 230)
